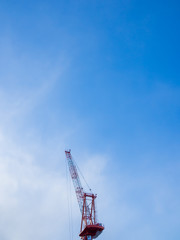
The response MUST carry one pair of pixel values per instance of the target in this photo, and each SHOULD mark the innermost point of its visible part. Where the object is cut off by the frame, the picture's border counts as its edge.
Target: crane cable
(69, 202)
(82, 176)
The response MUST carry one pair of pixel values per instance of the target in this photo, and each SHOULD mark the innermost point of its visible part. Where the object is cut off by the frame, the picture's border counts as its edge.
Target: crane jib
(76, 181)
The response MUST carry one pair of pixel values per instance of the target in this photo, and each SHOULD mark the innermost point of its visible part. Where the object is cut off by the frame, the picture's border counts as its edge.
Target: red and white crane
(90, 228)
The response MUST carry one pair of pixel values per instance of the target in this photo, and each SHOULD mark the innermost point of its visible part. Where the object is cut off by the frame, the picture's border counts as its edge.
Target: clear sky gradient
(101, 78)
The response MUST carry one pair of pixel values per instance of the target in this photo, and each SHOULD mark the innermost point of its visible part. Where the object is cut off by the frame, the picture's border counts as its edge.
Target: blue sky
(101, 78)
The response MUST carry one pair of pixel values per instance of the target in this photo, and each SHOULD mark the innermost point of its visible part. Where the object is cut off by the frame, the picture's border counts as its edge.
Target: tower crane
(90, 228)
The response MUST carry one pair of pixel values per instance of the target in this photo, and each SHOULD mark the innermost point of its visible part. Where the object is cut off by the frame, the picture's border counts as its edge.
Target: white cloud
(33, 200)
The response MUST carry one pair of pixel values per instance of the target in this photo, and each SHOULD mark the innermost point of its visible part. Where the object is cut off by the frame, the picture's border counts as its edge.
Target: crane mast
(90, 229)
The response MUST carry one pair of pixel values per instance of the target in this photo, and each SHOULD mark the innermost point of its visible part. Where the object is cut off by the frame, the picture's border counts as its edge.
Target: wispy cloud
(33, 198)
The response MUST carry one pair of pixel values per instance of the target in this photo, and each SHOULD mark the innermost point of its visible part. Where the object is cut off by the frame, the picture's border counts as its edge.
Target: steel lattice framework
(76, 181)
(89, 227)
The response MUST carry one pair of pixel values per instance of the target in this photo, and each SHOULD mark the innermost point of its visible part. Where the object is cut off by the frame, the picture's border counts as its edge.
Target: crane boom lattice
(76, 181)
